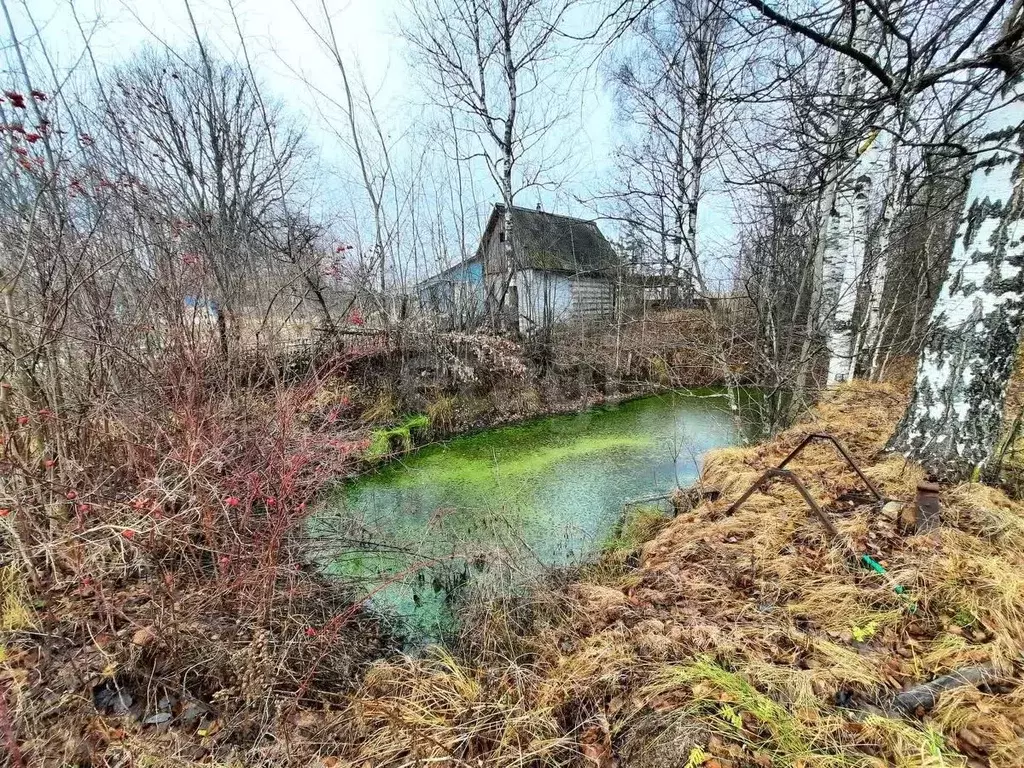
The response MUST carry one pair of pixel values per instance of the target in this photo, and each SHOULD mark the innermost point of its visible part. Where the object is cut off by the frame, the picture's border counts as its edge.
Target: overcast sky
(295, 68)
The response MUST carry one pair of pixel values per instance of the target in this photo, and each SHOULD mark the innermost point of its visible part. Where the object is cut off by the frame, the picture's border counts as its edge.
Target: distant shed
(564, 268)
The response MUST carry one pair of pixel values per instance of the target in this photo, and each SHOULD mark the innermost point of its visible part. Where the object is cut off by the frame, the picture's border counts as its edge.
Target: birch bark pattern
(849, 250)
(844, 258)
(872, 329)
(954, 417)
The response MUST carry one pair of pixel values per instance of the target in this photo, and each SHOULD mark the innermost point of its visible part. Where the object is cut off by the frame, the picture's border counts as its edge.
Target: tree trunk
(870, 337)
(850, 247)
(954, 417)
(872, 328)
(846, 257)
(812, 324)
(507, 144)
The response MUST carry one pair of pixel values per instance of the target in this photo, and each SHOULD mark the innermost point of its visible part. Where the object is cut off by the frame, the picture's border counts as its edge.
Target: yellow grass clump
(15, 612)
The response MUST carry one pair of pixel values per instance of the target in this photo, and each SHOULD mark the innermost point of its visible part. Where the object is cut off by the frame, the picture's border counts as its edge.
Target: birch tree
(850, 252)
(676, 93)
(956, 410)
(899, 50)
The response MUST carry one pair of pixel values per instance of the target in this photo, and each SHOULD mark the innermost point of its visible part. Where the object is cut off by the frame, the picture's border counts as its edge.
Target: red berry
(128, 533)
(72, 495)
(310, 632)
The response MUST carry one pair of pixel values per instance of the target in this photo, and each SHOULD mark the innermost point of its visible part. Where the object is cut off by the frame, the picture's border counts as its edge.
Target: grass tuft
(16, 613)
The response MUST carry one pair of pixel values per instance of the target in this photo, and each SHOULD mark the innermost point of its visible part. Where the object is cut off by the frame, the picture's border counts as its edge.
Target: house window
(501, 236)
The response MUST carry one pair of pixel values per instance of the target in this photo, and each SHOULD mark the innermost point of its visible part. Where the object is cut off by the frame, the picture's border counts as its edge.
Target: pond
(489, 511)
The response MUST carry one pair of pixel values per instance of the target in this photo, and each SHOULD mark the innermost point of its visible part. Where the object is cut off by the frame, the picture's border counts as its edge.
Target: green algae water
(488, 512)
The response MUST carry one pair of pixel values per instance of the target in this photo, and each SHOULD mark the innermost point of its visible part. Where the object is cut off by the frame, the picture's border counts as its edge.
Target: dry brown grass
(749, 639)
(739, 640)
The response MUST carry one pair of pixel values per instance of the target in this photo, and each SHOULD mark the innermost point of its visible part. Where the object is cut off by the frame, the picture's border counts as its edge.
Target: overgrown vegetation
(182, 595)
(639, 524)
(748, 639)
(168, 575)
(387, 441)
(201, 330)
(165, 576)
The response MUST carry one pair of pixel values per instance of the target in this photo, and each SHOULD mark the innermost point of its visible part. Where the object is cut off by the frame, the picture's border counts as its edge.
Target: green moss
(438, 465)
(543, 492)
(382, 440)
(786, 732)
(964, 618)
(418, 422)
(380, 445)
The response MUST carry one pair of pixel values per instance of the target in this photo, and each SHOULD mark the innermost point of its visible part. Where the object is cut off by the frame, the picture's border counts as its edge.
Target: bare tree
(676, 92)
(192, 130)
(490, 62)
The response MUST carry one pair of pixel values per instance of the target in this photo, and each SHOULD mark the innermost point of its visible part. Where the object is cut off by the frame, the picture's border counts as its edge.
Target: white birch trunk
(844, 257)
(876, 283)
(849, 250)
(847, 244)
(838, 228)
(869, 338)
(953, 421)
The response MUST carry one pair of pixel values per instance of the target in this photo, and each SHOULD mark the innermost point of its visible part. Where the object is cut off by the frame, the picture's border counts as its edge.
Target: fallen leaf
(210, 729)
(144, 636)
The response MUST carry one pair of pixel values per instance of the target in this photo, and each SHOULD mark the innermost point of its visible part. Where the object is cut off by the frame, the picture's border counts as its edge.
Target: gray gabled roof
(560, 243)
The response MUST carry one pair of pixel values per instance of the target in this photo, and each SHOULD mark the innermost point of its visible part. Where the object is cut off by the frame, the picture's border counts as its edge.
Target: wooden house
(562, 269)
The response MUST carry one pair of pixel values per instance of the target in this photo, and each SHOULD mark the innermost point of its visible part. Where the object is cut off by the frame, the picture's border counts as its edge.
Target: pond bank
(464, 382)
(425, 433)
(743, 640)
(493, 508)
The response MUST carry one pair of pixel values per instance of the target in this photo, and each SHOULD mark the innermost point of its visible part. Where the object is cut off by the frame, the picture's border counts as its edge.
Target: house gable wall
(548, 298)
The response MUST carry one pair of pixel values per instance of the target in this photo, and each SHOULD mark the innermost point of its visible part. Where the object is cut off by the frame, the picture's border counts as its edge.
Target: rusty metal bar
(843, 452)
(791, 477)
(786, 474)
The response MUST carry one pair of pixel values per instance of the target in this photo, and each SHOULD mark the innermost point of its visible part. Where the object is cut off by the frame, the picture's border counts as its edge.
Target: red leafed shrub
(185, 549)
